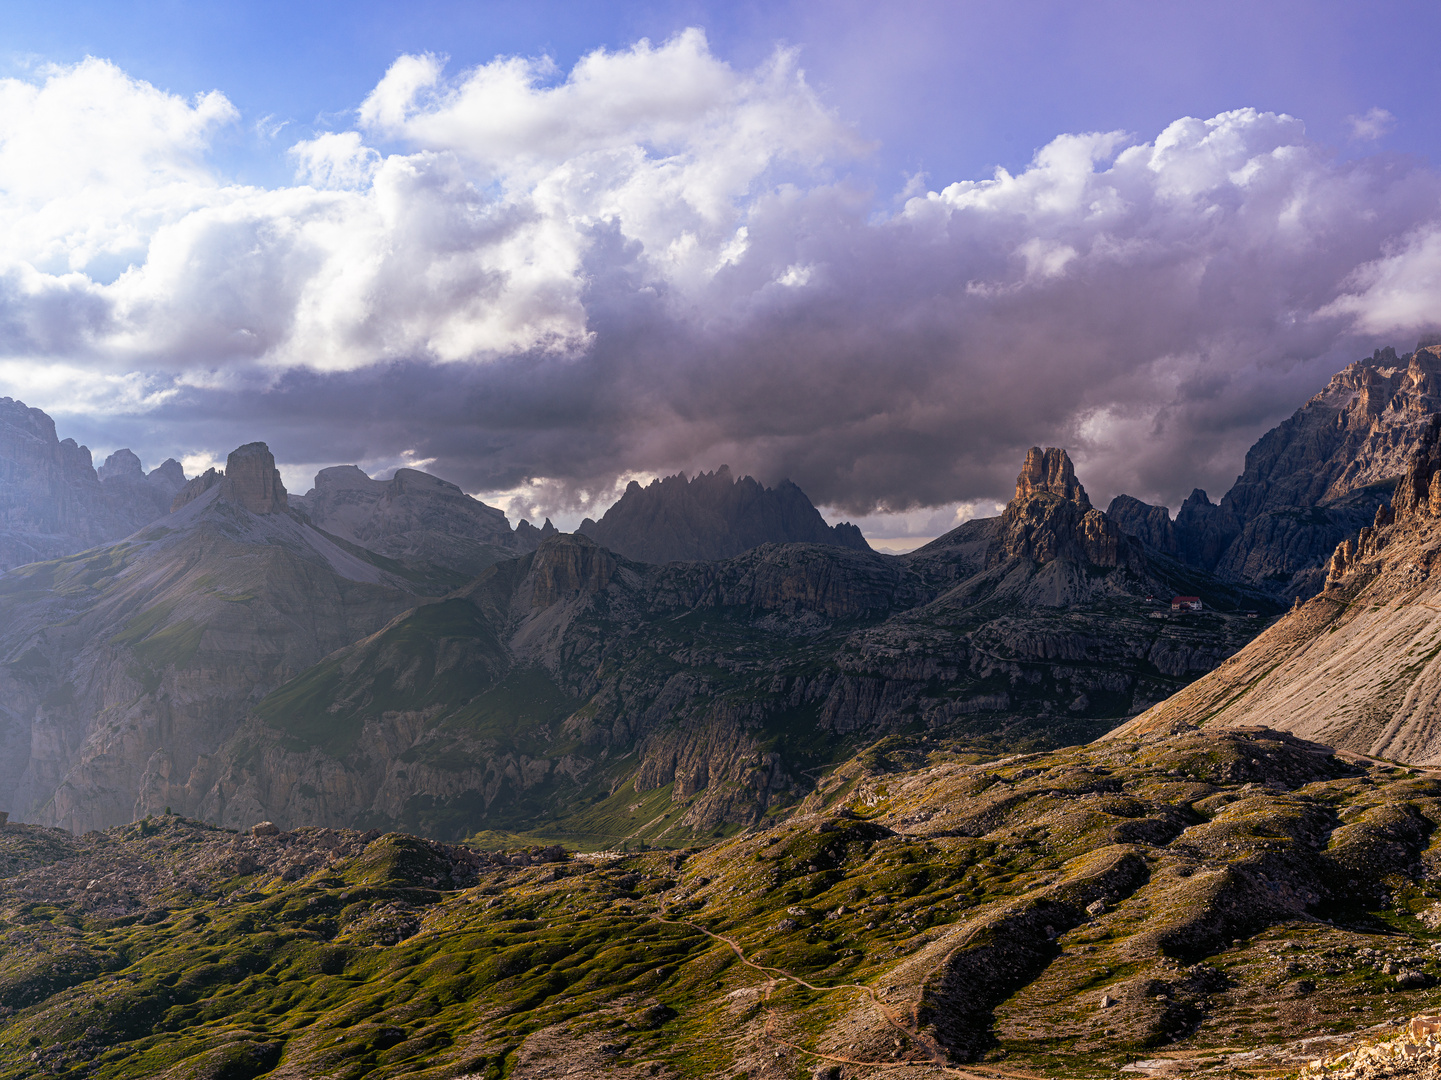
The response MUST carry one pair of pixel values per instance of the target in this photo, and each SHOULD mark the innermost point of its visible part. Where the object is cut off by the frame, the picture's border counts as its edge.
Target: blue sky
(951, 89)
(515, 244)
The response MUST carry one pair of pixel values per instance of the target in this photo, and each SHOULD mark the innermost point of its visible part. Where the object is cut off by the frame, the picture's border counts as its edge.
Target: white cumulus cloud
(544, 280)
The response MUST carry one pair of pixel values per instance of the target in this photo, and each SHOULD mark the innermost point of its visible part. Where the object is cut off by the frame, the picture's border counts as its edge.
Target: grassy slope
(1225, 920)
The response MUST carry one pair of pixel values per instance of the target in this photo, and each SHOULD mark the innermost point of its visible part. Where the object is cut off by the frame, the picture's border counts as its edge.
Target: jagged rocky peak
(1051, 518)
(252, 481)
(1152, 525)
(1049, 472)
(53, 502)
(712, 516)
(121, 465)
(528, 537)
(196, 488)
(122, 470)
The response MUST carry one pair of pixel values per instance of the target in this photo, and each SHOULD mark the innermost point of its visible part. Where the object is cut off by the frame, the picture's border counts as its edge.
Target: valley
(368, 783)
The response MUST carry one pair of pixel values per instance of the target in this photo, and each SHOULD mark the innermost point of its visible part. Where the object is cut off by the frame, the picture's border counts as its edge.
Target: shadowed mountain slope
(53, 501)
(578, 693)
(712, 516)
(122, 667)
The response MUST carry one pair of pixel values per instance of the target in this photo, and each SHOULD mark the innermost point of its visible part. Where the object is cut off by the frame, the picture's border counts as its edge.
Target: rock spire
(1052, 518)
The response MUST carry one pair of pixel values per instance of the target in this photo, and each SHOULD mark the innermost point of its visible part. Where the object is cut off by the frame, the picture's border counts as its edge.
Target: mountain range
(393, 654)
(1309, 483)
(237, 661)
(53, 501)
(844, 835)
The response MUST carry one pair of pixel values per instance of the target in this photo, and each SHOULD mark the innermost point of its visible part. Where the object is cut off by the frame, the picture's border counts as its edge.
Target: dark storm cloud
(652, 265)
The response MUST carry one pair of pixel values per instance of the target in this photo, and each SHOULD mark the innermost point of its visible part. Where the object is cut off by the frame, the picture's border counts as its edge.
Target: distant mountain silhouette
(712, 517)
(54, 502)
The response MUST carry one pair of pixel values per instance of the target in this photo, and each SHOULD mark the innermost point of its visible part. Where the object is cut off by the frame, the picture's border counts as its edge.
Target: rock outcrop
(1313, 480)
(414, 515)
(712, 516)
(1052, 518)
(53, 501)
(252, 481)
(196, 488)
(1356, 666)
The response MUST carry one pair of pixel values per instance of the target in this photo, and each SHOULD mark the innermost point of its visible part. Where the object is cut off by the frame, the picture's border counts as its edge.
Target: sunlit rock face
(1052, 518)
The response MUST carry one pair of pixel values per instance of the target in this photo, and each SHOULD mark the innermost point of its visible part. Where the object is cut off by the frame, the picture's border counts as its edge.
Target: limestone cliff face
(414, 515)
(1315, 479)
(712, 516)
(1052, 518)
(1356, 666)
(53, 502)
(252, 482)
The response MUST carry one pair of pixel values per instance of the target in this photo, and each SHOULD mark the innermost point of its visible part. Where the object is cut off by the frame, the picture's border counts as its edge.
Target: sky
(541, 249)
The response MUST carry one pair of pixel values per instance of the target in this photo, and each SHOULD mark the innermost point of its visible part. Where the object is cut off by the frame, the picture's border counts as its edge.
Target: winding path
(935, 1055)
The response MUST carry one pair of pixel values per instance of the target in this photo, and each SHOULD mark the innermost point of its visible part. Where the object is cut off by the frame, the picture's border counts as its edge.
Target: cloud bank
(542, 282)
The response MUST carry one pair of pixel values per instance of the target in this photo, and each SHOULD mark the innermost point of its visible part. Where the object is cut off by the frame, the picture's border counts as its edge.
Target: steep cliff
(1356, 666)
(1051, 518)
(122, 667)
(53, 501)
(712, 516)
(1311, 481)
(573, 688)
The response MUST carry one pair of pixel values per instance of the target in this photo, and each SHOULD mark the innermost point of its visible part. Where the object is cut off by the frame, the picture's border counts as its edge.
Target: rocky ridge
(576, 690)
(1309, 483)
(712, 516)
(54, 502)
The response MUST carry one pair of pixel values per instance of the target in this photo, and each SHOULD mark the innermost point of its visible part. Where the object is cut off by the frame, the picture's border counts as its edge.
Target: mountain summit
(415, 515)
(712, 516)
(54, 502)
(1310, 482)
(1051, 517)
